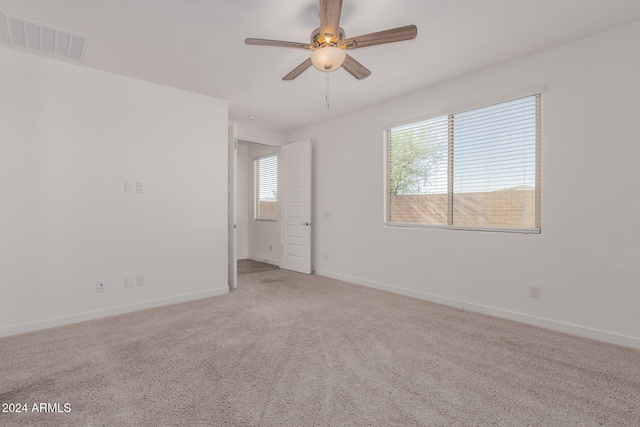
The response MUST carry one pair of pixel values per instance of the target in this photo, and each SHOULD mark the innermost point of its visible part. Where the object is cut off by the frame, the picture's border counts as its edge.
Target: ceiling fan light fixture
(328, 43)
(328, 58)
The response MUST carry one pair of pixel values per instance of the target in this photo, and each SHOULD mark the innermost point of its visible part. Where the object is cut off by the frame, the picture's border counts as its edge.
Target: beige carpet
(293, 350)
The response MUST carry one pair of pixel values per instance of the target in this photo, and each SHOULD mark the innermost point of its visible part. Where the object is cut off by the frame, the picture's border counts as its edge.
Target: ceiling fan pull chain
(327, 92)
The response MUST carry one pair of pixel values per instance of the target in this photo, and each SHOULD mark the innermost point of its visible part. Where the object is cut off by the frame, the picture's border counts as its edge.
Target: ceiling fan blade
(330, 17)
(298, 70)
(278, 43)
(355, 68)
(388, 36)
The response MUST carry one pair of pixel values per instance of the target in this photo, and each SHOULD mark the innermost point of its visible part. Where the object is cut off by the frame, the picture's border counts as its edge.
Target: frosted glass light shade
(328, 58)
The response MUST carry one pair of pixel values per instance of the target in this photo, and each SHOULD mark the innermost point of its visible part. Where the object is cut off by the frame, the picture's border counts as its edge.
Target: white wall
(263, 236)
(70, 137)
(586, 259)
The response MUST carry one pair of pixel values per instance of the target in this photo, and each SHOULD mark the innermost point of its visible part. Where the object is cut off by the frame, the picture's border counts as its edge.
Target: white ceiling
(198, 45)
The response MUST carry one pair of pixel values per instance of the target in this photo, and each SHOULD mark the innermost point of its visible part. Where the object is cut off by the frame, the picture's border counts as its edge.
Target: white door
(233, 259)
(295, 207)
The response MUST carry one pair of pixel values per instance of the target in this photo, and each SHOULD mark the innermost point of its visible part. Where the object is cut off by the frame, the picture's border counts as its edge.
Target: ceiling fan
(329, 42)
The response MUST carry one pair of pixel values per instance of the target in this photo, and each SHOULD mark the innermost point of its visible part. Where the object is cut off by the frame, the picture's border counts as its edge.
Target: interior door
(295, 207)
(233, 258)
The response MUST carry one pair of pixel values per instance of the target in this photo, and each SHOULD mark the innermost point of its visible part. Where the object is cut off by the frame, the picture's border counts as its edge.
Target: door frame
(232, 275)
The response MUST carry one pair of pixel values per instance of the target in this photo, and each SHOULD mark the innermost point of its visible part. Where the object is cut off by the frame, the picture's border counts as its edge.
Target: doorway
(258, 239)
(283, 240)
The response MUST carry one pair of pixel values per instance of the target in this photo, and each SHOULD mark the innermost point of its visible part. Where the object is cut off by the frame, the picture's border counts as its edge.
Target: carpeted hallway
(287, 349)
(248, 266)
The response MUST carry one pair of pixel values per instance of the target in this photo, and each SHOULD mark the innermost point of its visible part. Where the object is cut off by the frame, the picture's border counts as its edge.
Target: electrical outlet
(140, 280)
(534, 291)
(99, 286)
(270, 248)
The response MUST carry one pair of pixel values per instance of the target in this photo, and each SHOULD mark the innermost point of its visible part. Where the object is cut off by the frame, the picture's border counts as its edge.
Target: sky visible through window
(268, 178)
(494, 148)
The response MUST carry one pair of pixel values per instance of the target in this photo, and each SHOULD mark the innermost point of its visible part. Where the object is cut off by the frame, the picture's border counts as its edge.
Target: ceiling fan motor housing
(319, 40)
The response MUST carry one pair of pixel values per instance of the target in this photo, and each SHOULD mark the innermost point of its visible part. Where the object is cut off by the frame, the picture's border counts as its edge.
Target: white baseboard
(567, 328)
(266, 261)
(98, 314)
(395, 289)
(581, 331)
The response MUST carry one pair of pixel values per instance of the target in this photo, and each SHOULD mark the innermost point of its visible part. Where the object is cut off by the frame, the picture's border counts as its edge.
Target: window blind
(477, 169)
(266, 188)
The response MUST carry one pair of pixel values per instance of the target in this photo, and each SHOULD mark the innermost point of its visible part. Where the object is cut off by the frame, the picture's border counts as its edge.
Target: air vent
(45, 38)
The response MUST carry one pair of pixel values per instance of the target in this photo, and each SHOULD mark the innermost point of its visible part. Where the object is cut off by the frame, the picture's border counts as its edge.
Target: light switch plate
(139, 187)
(128, 187)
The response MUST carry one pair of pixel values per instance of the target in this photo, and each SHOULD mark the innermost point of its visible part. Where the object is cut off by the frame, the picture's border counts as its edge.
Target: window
(266, 176)
(477, 169)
